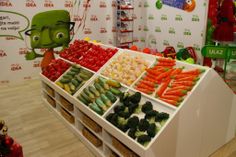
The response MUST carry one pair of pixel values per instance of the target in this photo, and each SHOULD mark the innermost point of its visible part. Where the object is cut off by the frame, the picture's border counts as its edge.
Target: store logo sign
(187, 32)
(77, 18)
(145, 29)
(113, 29)
(146, 5)
(142, 39)
(139, 27)
(86, 4)
(135, 39)
(103, 30)
(196, 47)
(180, 45)
(108, 17)
(48, 4)
(68, 4)
(178, 18)
(5, 3)
(2, 54)
(150, 17)
(140, 4)
(157, 29)
(36, 64)
(195, 18)
(4, 81)
(113, 4)
(15, 67)
(22, 51)
(27, 78)
(166, 43)
(171, 30)
(87, 31)
(102, 4)
(153, 41)
(164, 17)
(134, 16)
(93, 18)
(30, 4)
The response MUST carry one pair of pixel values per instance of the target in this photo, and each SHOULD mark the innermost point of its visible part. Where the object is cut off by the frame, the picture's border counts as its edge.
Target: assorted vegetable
(168, 83)
(126, 68)
(101, 95)
(128, 117)
(74, 79)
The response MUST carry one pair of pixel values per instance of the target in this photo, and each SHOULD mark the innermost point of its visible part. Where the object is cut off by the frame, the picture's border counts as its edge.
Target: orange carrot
(163, 75)
(146, 91)
(148, 83)
(181, 75)
(153, 72)
(189, 78)
(185, 83)
(172, 102)
(162, 88)
(177, 92)
(142, 85)
(151, 76)
(188, 88)
(146, 78)
(176, 71)
(172, 97)
(165, 64)
(194, 71)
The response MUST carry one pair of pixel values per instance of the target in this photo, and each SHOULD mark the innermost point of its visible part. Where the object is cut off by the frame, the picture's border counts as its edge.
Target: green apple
(190, 60)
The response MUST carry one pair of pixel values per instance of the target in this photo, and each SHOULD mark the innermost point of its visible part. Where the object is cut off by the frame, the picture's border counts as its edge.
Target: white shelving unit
(202, 123)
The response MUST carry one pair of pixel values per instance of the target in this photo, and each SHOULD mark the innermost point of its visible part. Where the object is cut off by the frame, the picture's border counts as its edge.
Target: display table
(203, 122)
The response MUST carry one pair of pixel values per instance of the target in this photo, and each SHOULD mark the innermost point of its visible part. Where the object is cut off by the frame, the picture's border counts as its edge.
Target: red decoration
(226, 20)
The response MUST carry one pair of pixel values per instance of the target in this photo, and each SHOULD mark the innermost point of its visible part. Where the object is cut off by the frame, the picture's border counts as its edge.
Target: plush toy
(224, 31)
(169, 52)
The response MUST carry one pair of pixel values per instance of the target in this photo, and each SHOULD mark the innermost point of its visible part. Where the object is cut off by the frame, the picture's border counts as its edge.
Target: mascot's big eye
(189, 2)
(60, 35)
(35, 38)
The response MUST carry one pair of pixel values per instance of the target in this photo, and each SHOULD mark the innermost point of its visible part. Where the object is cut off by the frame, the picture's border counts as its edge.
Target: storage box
(92, 138)
(67, 115)
(65, 103)
(49, 90)
(91, 124)
(51, 101)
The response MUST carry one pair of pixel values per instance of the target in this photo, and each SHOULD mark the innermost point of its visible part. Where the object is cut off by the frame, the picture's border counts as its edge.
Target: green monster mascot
(49, 30)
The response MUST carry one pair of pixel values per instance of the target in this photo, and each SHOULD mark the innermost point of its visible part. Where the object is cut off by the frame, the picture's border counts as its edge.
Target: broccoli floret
(135, 98)
(133, 122)
(139, 133)
(132, 107)
(144, 140)
(125, 114)
(143, 125)
(119, 108)
(151, 116)
(122, 124)
(112, 118)
(147, 107)
(124, 96)
(152, 130)
(161, 116)
(132, 132)
(109, 117)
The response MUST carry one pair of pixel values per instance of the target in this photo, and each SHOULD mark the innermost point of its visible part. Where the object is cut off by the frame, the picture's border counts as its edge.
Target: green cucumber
(72, 87)
(88, 73)
(103, 83)
(115, 91)
(99, 88)
(85, 96)
(83, 100)
(111, 96)
(75, 70)
(113, 83)
(76, 66)
(75, 82)
(79, 79)
(88, 93)
(94, 91)
(100, 103)
(71, 73)
(84, 76)
(106, 100)
(95, 108)
(64, 80)
(67, 77)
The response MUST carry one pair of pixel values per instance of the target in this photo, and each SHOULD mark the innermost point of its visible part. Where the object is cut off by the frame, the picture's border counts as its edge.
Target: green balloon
(159, 4)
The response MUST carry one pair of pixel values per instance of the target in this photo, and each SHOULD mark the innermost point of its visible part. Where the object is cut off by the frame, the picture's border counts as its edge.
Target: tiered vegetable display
(55, 69)
(74, 79)
(140, 121)
(100, 95)
(168, 83)
(126, 68)
(87, 54)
